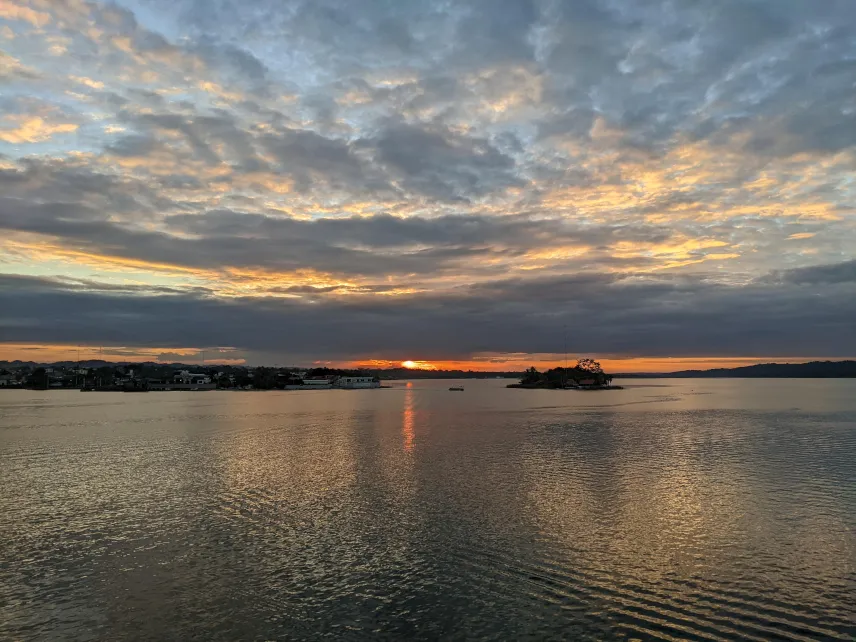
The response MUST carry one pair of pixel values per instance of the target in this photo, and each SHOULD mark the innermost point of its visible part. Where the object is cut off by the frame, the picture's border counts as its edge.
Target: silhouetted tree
(38, 379)
(264, 379)
(561, 377)
(531, 376)
(590, 366)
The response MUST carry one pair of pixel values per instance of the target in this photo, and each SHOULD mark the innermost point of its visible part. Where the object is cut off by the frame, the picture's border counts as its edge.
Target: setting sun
(418, 365)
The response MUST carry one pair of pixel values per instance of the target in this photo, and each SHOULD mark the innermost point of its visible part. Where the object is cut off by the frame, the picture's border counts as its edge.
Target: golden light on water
(408, 420)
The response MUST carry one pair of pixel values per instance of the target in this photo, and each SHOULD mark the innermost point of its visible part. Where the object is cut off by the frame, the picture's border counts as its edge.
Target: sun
(417, 365)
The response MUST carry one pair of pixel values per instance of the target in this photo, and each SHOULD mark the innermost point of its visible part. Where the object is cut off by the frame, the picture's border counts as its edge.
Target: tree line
(584, 370)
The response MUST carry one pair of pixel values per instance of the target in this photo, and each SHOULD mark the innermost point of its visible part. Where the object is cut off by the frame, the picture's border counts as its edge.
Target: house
(190, 378)
(588, 383)
(8, 380)
(183, 381)
(351, 383)
(320, 382)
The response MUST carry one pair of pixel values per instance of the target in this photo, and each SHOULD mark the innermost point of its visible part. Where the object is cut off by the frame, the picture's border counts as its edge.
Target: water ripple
(419, 515)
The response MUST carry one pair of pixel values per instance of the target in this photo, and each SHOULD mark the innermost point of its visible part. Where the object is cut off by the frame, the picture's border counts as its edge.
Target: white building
(351, 383)
(189, 378)
(319, 382)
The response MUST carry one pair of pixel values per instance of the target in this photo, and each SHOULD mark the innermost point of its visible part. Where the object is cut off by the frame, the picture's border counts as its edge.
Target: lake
(673, 509)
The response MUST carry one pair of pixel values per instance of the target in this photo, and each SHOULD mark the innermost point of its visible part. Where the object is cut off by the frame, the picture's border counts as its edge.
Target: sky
(473, 183)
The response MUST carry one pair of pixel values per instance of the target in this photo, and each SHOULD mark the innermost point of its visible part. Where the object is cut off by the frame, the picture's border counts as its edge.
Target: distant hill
(813, 370)
(89, 363)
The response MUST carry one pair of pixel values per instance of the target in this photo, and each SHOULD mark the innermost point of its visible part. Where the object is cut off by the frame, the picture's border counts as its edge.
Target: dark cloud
(308, 156)
(817, 274)
(133, 145)
(242, 64)
(655, 69)
(385, 231)
(60, 191)
(369, 246)
(441, 165)
(657, 317)
(495, 30)
(197, 135)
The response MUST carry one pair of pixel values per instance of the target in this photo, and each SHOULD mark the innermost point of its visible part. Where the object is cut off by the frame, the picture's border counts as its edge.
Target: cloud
(241, 63)
(495, 30)
(89, 82)
(308, 156)
(442, 165)
(33, 130)
(15, 11)
(672, 316)
(818, 274)
(360, 246)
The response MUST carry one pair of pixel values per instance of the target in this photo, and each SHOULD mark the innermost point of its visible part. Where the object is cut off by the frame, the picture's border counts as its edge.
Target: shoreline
(523, 386)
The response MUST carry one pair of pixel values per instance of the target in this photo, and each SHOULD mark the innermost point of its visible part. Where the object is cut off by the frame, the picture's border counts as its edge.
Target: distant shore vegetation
(101, 375)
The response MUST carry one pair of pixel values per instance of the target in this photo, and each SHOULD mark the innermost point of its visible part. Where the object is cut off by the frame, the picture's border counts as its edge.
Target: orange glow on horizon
(117, 354)
(47, 353)
(630, 365)
(417, 365)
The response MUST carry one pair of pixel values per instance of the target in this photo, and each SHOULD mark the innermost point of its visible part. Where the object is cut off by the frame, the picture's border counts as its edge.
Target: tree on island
(590, 366)
(585, 370)
(531, 376)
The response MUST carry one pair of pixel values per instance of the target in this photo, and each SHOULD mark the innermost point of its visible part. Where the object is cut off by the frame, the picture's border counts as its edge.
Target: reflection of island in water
(586, 375)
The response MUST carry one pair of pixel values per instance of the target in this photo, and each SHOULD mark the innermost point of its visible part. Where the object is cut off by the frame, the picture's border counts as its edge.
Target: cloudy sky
(663, 182)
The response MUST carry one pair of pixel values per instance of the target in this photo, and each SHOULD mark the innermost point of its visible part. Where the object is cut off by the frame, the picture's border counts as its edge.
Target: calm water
(673, 509)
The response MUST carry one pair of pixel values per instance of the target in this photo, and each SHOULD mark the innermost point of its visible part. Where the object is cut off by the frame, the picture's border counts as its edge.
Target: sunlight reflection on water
(675, 510)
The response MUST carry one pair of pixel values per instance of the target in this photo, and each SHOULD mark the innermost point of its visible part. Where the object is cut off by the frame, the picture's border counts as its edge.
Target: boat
(457, 389)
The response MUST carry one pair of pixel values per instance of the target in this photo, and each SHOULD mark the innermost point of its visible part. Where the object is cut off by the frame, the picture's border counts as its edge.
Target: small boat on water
(457, 389)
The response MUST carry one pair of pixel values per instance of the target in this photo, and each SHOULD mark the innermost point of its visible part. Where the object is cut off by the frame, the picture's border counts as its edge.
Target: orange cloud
(13, 11)
(218, 91)
(83, 80)
(46, 353)
(33, 129)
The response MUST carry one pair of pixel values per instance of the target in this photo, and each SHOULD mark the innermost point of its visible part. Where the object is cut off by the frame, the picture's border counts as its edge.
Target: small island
(586, 375)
